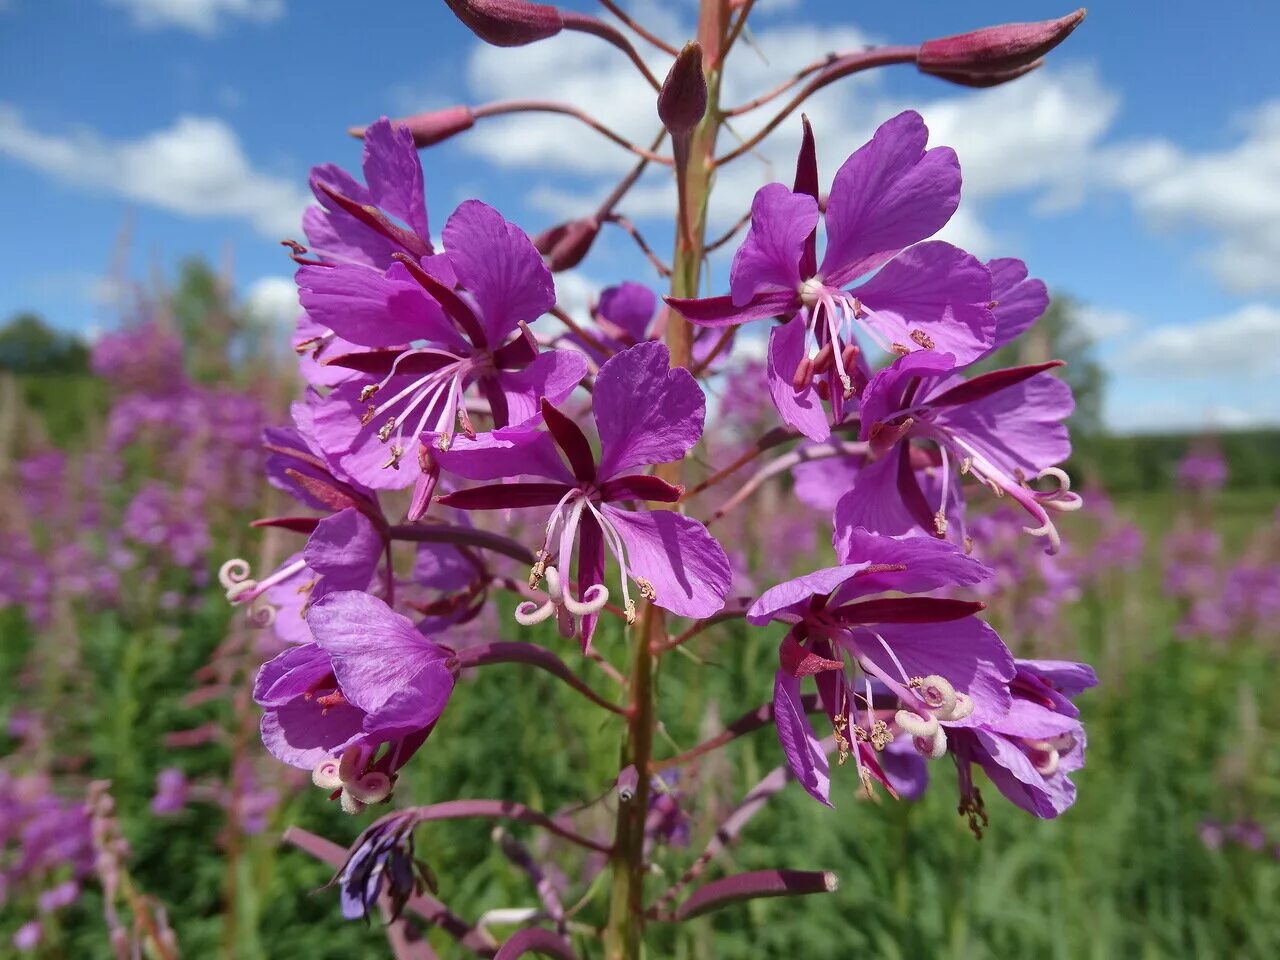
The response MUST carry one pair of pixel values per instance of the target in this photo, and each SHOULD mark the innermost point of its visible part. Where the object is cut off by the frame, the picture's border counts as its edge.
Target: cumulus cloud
(205, 17)
(1237, 345)
(1034, 135)
(1233, 194)
(274, 301)
(195, 167)
(1104, 323)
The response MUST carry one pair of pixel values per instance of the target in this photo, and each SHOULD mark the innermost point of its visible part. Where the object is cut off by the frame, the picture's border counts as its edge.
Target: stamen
(368, 391)
(393, 461)
(881, 735)
(923, 339)
(646, 589)
(384, 432)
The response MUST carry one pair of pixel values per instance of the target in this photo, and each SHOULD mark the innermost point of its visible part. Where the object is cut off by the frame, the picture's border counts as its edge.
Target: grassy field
(1180, 730)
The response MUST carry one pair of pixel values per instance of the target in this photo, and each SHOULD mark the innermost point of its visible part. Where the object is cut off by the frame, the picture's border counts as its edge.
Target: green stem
(624, 932)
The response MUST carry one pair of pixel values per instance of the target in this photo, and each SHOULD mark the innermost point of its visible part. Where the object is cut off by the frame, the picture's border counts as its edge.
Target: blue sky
(1139, 171)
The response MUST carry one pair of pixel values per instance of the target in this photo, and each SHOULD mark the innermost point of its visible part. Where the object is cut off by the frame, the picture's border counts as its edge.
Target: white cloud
(1233, 194)
(205, 17)
(195, 168)
(1035, 135)
(274, 301)
(1238, 345)
(1104, 323)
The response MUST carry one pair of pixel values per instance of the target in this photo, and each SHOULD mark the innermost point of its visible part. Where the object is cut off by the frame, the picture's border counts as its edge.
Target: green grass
(1122, 874)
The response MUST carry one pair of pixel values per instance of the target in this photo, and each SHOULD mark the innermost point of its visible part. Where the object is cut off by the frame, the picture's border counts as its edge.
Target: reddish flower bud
(682, 102)
(508, 23)
(565, 245)
(433, 126)
(994, 54)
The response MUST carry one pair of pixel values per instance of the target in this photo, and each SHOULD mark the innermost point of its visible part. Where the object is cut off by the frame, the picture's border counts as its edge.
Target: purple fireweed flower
(889, 195)
(645, 413)
(426, 326)
(354, 222)
(369, 678)
(945, 667)
(343, 548)
(628, 314)
(1203, 470)
(1004, 428)
(172, 791)
(1030, 751)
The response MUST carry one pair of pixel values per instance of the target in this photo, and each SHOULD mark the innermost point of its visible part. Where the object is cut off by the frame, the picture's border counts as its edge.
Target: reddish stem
(534, 656)
(534, 940)
(564, 109)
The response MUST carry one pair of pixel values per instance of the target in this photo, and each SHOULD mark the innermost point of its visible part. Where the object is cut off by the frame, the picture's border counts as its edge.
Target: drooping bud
(994, 54)
(682, 102)
(508, 23)
(565, 245)
(432, 127)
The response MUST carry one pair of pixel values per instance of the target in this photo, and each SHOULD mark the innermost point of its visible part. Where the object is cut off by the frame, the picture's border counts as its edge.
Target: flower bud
(565, 245)
(432, 127)
(994, 54)
(508, 23)
(682, 102)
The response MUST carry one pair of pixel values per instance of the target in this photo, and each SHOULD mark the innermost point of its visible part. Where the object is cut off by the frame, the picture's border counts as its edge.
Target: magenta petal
(553, 375)
(645, 412)
(301, 733)
(685, 565)
(904, 768)
(769, 259)
(394, 174)
(380, 660)
(357, 448)
(1020, 301)
(874, 503)
(799, 409)
(367, 307)
(889, 194)
(928, 563)
(629, 307)
(932, 294)
(967, 652)
(721, 312)
(1015, 776)
(1018, 428)
(344, 549)
(885, 393)
(513, 452)
(1066, 676)
(800, 744)
(789, 600)
(499, 266)
(821, 483)
(291, 674)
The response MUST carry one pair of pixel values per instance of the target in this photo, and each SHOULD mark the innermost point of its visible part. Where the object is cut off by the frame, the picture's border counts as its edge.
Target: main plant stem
(624, 934)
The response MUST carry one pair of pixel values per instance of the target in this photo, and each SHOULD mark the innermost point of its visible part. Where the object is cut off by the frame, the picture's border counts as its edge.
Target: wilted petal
(645, 412)
(685, 565)
(889, 194)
